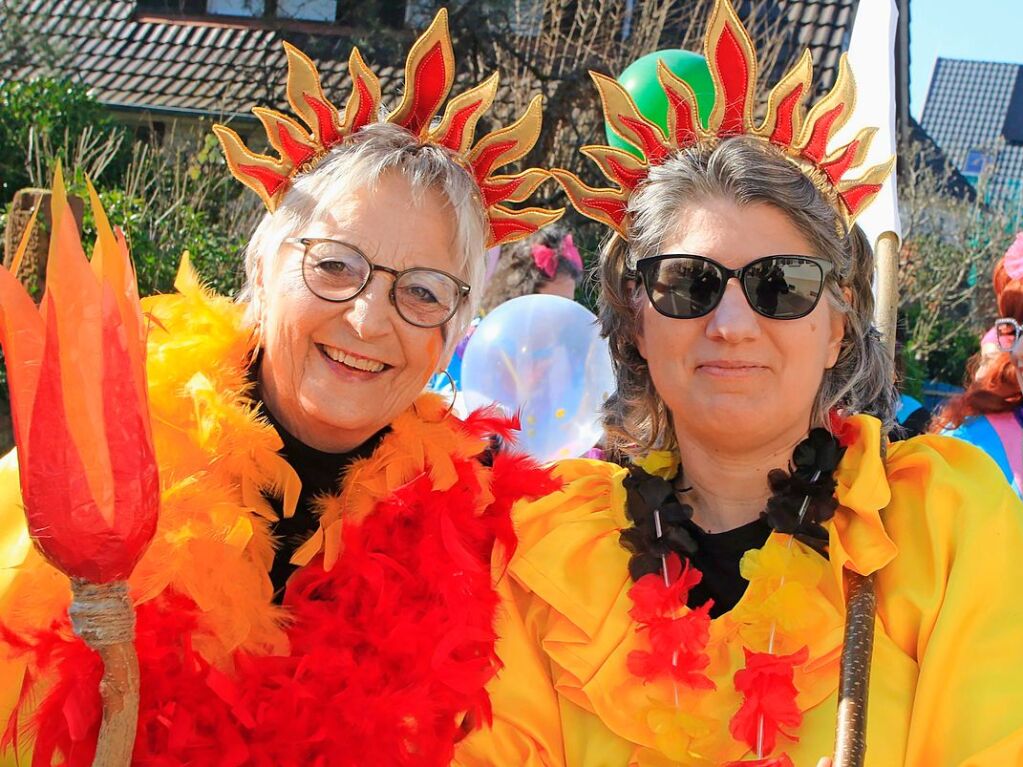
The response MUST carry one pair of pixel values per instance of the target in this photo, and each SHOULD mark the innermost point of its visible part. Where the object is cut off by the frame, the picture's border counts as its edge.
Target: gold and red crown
(429, 74)
(803, 137)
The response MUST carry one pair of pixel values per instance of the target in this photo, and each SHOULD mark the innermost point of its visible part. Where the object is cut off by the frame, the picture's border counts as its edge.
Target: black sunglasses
(685, 287)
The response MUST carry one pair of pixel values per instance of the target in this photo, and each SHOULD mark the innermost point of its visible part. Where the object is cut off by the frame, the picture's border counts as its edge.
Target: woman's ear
(640, 340)
(837, 334)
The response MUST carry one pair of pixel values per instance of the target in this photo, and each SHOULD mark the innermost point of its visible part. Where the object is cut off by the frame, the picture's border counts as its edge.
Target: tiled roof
(174, 65)
(159, 63)
(823, 26)
(969, 107)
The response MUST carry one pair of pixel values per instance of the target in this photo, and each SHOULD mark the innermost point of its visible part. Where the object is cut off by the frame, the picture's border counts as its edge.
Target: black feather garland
(809, 481)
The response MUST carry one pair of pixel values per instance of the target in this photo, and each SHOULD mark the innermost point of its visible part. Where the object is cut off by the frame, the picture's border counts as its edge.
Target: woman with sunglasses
(687, 607)
(989, 414)
(320, 588)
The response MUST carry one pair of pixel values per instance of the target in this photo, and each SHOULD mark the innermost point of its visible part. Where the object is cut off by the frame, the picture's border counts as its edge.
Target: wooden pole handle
(103, 616)
(854, 680)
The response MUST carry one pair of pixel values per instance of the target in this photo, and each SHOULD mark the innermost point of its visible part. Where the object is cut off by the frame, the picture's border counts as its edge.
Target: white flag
(872, 59)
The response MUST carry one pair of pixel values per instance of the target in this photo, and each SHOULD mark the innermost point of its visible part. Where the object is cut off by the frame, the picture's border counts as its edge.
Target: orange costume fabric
(384, 642)
(936, 522)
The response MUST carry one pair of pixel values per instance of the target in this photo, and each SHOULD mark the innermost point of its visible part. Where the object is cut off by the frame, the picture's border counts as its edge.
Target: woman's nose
(370, 313)
(733, 320)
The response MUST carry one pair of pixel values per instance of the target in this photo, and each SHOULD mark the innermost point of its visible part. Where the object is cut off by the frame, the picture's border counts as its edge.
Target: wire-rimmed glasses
(338, 271)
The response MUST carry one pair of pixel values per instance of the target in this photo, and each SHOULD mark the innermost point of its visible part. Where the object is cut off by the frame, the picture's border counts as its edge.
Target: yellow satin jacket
(936, 522)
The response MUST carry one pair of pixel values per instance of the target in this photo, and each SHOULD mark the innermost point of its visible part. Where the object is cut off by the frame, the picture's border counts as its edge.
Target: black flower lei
(809, 481)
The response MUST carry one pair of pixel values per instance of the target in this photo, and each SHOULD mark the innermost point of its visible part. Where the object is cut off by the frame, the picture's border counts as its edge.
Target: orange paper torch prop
(76, 370)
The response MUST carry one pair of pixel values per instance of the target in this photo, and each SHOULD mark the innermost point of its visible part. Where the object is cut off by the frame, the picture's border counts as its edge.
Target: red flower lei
(678, 638)
(678, 643)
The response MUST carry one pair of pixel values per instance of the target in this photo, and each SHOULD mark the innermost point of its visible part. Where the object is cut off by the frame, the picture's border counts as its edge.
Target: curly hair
(996, 389)
(517, 273)
(747, 172)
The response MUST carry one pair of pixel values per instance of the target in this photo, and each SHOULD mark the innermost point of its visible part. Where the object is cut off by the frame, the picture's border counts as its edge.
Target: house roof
(218, 68)
(213, 66)
(974, 111)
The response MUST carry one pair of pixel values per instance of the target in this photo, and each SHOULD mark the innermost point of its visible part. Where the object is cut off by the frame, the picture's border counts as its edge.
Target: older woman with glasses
(320, 588)
(688, 607)
(989, 414)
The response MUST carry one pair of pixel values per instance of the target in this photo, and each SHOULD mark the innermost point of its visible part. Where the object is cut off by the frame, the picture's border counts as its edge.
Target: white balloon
(541, 356)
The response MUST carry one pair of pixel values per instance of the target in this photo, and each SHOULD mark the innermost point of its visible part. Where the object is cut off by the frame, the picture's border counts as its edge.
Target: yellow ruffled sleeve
(15, 546)
(951, 599)
(536, 722)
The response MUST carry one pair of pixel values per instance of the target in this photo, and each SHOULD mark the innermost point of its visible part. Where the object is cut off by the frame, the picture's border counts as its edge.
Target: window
(307, 10)
(519, 17)
(976, 160)
(301, 10)
(236, 7)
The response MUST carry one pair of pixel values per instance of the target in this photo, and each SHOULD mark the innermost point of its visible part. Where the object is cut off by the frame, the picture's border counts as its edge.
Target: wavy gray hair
(747, 171)
(360, 162)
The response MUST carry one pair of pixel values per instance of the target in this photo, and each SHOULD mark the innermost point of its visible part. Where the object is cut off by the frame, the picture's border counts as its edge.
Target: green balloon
(640, 80)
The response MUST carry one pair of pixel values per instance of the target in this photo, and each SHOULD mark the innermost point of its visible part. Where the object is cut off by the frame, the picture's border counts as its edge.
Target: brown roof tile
(225, 69)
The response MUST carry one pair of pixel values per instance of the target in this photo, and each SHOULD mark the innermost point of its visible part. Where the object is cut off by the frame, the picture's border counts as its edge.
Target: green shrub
(54, 113)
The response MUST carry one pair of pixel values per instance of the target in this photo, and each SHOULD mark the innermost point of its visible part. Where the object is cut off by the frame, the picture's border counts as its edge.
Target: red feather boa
(389, 649)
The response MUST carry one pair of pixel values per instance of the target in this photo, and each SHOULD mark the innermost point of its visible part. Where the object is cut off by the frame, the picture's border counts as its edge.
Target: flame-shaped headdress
(803, 137)
(429, 74)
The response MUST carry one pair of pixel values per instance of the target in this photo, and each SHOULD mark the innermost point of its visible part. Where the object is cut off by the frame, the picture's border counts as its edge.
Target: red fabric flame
(735, 74)
(87, 467)
(784, 125)
(428, 90)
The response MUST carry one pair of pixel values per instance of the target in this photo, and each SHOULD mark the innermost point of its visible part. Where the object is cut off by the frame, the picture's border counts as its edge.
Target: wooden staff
(104, 617)
(861, 602)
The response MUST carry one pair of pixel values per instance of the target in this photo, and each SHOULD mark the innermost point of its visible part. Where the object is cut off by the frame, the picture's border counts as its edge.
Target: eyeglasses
(336, 271)
(1007, 333)
(777, 287)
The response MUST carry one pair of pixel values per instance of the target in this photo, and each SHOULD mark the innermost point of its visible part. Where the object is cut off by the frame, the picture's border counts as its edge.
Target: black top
(320, 473)
(717, 556)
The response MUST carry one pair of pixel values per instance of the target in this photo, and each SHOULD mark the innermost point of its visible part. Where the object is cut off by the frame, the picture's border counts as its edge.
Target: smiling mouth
(730, 368)
(353, 361)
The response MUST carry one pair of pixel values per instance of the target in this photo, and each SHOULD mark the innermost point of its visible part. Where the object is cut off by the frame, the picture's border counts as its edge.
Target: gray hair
(746, 171)
(360, 162)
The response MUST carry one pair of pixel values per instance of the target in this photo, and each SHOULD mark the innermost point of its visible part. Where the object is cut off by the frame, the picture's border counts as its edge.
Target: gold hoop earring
(451, 405)
(454, 392)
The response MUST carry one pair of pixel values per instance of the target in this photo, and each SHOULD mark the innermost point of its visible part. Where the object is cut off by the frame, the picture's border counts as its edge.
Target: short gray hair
(746, 171)
(359, 162)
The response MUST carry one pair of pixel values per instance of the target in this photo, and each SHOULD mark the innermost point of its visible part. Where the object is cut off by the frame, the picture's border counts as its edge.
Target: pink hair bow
(1014, 258)
(546, 259)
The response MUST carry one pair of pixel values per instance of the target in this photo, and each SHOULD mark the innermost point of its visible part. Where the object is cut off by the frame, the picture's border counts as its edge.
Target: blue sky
(987, 30)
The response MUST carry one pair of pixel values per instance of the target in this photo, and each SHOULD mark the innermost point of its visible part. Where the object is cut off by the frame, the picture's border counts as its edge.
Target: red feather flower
(769, 697)
(652, 600)
(771, 761)
(843, 428)
(678, 643)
